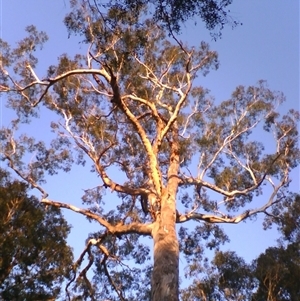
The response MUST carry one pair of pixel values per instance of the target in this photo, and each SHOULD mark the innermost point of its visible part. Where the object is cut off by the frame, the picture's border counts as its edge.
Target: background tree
(130, 106)
(34, 256)
(273, 275)
(278, 269)
(228, 277)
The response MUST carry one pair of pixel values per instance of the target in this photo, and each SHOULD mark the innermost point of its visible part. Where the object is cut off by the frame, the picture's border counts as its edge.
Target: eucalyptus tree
(156, 140)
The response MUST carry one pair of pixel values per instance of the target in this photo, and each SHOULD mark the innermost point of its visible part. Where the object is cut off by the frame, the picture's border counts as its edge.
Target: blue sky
(265, 47)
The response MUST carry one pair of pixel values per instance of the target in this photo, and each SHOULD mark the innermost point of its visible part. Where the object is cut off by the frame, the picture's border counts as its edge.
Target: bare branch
(50, 81)
(78, 262)
(231, 137)
(84, 212)
(197, 182)
(32, 72)
(149, 104)
(178, 107)
(118, 291)
(181, 218)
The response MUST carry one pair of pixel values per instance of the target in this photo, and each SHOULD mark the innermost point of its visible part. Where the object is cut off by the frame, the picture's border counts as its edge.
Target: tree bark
(165, 276)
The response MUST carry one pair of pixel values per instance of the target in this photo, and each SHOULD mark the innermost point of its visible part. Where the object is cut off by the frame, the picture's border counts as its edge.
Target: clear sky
(265, 47)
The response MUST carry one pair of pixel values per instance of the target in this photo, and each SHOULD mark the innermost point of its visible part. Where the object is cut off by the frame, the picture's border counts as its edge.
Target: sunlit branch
(202, 63)
(51, 81)
(156, 116)
(48, 82)
(223, 218)
(194, 111)
(158, 82)
(178, 107)
(158, 98)
(154, 80)
(184, 180)
(84, 212)
(101, 72)
(149, 104)
(209, 218)
(96, 159)
(285, 133)
(4, 88)
(244, 166)
(154, 174)
(32, 72)
(119, 229)
(167, 69)
(20, 88)
(87, 147)
(148, 71)
(231, 137)
(89, 56)
(108, 182)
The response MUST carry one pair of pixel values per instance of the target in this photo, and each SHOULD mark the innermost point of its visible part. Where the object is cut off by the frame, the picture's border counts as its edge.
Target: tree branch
(118, 229)
(209, 218)
(154, 167)
(229, 194)
(181, 218)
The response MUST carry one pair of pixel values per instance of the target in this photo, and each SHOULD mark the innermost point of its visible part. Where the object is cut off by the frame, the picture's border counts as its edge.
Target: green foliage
(278, 272)
(278, 268)
(272, 276)
(129, 107)
(228, 277)
(289, 221)
(170, 14)
(34, 256)
(19, 59)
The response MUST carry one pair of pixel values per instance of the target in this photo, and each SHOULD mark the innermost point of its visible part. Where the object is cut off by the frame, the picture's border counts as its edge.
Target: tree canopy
(170, 14)
(34, 256)
(170, 155)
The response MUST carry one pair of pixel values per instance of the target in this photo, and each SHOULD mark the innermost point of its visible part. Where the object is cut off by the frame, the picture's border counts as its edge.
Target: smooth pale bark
(165, 276)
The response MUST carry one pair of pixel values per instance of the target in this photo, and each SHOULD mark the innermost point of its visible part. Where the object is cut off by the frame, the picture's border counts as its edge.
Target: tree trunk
(165, 276)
